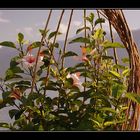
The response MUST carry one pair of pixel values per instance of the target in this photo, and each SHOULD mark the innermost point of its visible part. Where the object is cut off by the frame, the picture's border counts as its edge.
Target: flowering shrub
(90, 95)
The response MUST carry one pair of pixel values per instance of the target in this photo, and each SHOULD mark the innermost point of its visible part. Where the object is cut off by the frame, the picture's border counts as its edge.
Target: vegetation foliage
(90, 95)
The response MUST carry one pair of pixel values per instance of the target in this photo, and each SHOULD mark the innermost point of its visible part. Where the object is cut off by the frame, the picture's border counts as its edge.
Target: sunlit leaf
(108, 44)
(126, 72)
(118, 66)
(108, 123)
(133, 96)
(115, 74)
(98, 34)
(96, 122)
(108, 109)
(4, 125)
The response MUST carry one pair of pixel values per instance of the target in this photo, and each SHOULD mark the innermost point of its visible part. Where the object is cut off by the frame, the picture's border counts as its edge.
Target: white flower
(29, 61)
(93, 51)
(76, 80)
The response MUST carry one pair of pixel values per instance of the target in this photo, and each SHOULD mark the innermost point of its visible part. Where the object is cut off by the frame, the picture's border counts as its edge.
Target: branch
(43, 36)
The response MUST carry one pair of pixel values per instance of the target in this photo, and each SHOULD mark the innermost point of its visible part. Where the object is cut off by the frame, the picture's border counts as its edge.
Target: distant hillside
(7, 53)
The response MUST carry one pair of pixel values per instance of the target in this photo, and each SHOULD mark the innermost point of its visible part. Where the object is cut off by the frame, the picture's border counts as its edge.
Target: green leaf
(14, 62)
(32, 97)
(12, 77)
(23, 85)
(133, 96)
(5, 94)
(81, 29)
(124, 108)
(13, 112)
(11, 73)
(43, 32)
(18, 114)
(108, 123)
(52, 34)
(8, 44)
(51, 86)
(56, 45)
(17, 70)
(69, 53)
(126, 72)
(80, 65)
(20, 37)
(35, 44)
(90, 18)
(118, 66)
(117, 90)
(125, 60)
(5, 125)
(1, 101)
(98, 34)
(80, 40)
(108, 109)
(96, 122)
(99, 20)
(108, 44)
(70, 70)
(115, 74)
(24, 82)
(40, 128)
(107, 57)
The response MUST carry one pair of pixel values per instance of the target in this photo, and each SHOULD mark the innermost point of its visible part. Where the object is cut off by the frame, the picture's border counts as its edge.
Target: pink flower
(16, 93)
(76, 79)
(84, 53)
(93, 51)
(29, 61)
(83, 57)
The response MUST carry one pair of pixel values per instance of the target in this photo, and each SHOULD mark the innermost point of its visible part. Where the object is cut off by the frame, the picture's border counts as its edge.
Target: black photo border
(69, 4)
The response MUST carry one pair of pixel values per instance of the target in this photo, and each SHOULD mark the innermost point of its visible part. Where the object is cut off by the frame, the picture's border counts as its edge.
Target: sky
(30, 21)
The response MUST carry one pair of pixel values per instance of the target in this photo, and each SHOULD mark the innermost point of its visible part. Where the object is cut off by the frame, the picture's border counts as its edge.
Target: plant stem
(85, 47)
(48, 70)
(2, 89)
(65, 43)
(114, 49)
(43, 36)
